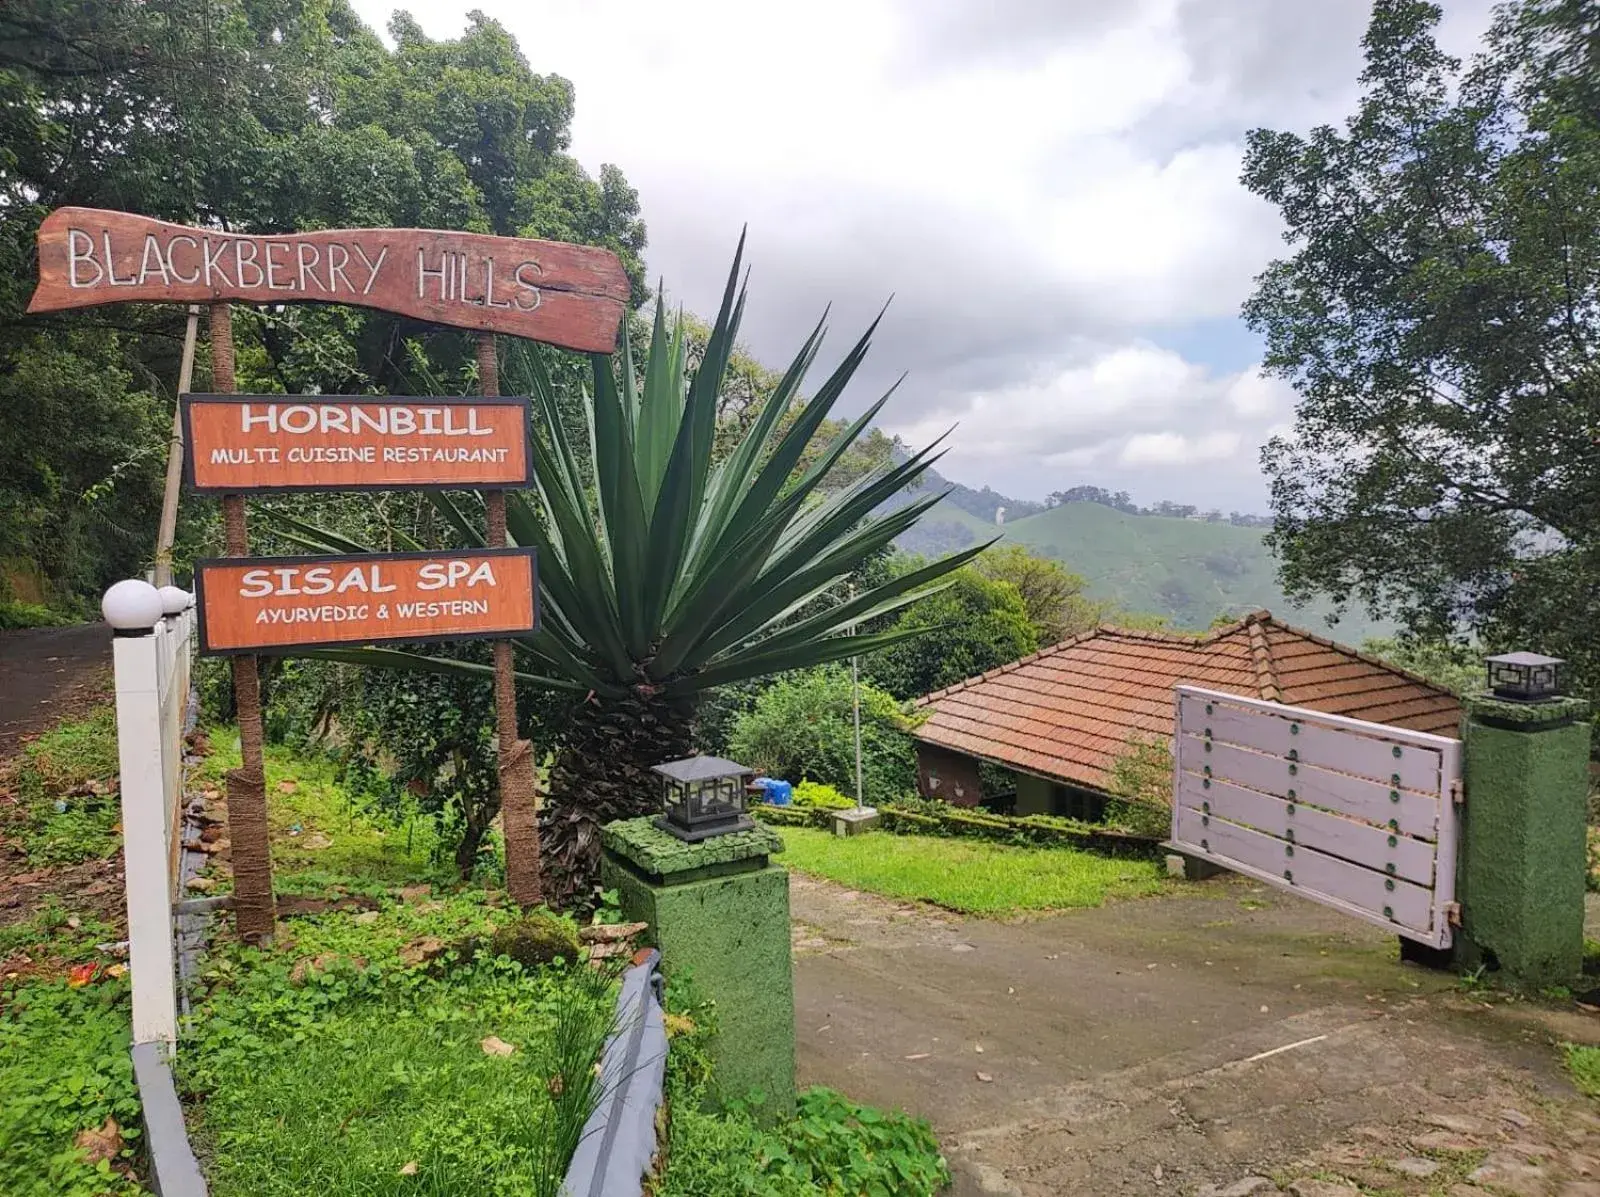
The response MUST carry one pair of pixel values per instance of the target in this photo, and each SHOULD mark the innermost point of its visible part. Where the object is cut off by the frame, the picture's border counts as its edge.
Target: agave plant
(664, 572)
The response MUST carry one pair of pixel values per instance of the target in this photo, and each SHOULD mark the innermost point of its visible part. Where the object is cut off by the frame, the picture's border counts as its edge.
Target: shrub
(1141, 779)
(820, 797)
(800, 729)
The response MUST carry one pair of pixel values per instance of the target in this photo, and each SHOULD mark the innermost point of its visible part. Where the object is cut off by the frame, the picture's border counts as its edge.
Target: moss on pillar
(1521, 875)
(719, 911)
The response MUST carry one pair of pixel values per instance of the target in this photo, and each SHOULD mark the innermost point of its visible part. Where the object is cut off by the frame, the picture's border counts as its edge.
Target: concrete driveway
(1186, 1044)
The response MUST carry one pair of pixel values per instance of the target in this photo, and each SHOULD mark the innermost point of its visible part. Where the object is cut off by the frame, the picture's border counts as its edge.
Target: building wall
(1035, 795)
(948, 775)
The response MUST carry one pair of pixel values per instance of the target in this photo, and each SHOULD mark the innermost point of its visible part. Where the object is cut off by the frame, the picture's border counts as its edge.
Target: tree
(1438, 316)
(974, 624)
(673, 575)
(802, 728)
(1451, 664)
(256, 117)
(1052, 597)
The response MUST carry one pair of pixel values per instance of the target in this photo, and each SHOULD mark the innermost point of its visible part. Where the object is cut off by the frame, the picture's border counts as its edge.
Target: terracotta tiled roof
(1067, 711)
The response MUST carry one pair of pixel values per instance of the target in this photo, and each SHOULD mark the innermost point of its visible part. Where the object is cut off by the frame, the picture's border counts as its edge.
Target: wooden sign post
(571, 296)
(280, 604)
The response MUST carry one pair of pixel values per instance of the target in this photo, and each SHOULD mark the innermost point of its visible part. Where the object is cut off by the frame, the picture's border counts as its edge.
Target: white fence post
(134, 609)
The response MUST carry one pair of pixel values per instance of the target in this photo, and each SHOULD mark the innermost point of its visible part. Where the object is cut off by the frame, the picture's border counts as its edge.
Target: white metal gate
(1359, 816)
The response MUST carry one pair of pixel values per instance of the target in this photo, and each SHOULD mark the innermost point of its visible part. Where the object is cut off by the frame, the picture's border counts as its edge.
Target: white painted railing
(152, 653)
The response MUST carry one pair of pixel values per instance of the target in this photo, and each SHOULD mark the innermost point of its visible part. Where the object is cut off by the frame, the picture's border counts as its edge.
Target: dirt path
(43, 672)
(1182, 1045)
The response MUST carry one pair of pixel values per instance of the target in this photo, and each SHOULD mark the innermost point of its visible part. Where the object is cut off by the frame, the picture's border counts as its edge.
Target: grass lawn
(973, 876)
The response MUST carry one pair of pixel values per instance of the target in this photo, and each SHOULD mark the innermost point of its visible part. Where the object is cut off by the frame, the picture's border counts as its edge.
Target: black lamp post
(703, 796)
(1524, 677)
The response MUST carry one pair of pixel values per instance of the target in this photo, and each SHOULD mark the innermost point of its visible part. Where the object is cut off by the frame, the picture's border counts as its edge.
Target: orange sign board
(238, 443)
(574, 296)
(280, 604)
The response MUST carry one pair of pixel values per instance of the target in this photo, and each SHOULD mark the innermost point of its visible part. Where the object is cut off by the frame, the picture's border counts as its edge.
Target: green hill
(1188, 570)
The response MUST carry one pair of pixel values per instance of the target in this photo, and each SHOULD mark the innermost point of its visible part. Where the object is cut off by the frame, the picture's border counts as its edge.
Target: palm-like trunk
(603, 773)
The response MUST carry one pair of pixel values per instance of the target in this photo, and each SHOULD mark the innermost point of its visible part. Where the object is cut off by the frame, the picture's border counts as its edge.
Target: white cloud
(1176, 449)
(1136, 407)
(1047, 188)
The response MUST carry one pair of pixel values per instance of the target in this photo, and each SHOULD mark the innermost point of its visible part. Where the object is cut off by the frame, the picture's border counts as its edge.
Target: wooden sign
(280, 604)
(568, 295)
(239, 443)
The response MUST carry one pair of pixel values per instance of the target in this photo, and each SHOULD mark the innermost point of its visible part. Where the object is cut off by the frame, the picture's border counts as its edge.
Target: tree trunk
(603, 773)
(476, 821)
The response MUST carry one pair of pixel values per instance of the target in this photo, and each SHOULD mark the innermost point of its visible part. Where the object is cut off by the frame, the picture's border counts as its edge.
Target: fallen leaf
(420, 951)
(984, 1077)
(288, 787)
(116, 970)
(679, 1024)
(80, 975)
(102, 1144)
(978, 1047)
(409, 1168)
(495, 1046)
(74, 922)
(556, 1085)
(918, 1056)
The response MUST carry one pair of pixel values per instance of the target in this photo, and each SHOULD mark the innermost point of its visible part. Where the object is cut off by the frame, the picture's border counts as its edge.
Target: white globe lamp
(132, 607)
(175, 600)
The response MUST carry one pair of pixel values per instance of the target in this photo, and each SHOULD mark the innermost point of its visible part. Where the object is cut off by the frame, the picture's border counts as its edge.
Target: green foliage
(1141, 778)
(64, 1068)
(52, 930)
(258, 118)
(1455, 666)
(1584, 1064)
(282, 1103)
(65, 782)
(31, 615)
(820, 797)
(973, 625)
(968, 875)
(327, 833)
(666, 571)
(1437, 316)
(676, 570)
(831, 1146)
(1052, 596)
(802, 729)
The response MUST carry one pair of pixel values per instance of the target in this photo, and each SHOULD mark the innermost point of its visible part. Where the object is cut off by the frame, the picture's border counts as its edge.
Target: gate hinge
(1452, 913)
(1458, 793)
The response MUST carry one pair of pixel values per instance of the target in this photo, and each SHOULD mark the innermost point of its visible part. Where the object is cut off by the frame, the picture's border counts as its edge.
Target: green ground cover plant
(17, 614)
(65, 1069)
(324, 834)
(390, 1052)
(67, 808)
(971, 876)
(1584, 1064)
(832, 1146)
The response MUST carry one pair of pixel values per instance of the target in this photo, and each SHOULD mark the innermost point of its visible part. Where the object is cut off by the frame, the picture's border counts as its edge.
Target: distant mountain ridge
(1189, 570)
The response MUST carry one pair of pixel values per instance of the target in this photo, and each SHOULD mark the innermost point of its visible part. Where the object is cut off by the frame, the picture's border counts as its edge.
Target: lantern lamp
(1525, 677)
(702, 797)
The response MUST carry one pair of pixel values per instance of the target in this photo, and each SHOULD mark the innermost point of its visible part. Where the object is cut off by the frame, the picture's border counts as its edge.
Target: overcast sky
(1049, 189)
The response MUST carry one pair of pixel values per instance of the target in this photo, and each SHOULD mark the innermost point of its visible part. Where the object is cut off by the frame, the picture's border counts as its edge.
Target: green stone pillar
(718, 910)
(1521, 865)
